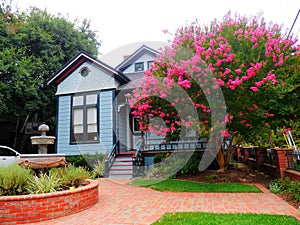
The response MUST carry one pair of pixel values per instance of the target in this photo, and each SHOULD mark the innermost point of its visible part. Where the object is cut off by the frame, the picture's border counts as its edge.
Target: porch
(131, 163)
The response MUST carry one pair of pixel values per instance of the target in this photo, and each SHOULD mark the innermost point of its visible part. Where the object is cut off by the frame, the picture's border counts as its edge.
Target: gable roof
(79, 59)
(135, 56)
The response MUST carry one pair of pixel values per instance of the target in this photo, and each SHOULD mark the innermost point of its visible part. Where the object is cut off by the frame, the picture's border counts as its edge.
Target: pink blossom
(221, 82)
(254, 89)
(227, 71)
(185, 84)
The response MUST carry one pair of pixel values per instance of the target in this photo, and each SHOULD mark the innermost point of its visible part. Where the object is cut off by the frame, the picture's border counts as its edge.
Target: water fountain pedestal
(42, 160)
(43, 141)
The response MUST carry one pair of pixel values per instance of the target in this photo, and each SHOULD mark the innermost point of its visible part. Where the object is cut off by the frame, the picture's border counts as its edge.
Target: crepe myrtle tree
(254, 65)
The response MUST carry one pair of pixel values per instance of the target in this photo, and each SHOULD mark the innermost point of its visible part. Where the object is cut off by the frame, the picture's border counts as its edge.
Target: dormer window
(139, 67)
(84, 71)
(150, 63)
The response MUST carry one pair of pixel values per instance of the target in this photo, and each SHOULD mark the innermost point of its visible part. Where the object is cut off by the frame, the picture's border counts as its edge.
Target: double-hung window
(85, 118)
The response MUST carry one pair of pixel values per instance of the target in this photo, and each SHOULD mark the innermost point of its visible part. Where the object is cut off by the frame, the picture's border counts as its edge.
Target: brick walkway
(124, 204)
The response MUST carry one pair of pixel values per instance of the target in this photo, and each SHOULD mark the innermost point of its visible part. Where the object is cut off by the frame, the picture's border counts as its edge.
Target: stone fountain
(42, 160)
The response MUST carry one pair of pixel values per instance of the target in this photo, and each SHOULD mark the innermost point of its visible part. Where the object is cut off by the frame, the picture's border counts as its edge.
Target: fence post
(246, 154)
(281, 160)
(259, 155)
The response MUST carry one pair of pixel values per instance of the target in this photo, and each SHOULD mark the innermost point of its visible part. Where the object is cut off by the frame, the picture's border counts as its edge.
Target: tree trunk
(16, 133)
(221, 160)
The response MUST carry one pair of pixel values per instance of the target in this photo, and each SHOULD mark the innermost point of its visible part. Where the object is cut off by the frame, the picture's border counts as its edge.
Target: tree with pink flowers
(251, 62)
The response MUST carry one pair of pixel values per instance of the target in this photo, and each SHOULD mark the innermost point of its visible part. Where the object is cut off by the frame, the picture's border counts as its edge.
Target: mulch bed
(242, 174)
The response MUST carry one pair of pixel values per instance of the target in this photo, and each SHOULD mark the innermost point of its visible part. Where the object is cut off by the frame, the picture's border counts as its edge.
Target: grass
(204, 218)
(189, 186)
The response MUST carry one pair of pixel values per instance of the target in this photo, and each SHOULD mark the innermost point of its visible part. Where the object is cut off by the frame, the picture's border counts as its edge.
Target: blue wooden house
(93, 115)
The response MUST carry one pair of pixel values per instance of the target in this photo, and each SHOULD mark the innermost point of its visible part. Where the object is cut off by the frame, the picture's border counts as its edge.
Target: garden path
(124, 204)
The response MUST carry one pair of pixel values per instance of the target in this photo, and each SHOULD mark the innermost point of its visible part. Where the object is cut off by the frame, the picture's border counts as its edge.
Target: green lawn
(198, 218)
(189, 186)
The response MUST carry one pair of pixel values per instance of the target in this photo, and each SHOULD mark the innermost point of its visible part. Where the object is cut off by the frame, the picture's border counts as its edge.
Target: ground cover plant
(190, 186)
(18, 180)
(287, 187)
(204, 218)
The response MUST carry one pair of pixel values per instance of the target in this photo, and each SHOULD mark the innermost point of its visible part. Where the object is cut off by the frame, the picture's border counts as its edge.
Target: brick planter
(38, 207)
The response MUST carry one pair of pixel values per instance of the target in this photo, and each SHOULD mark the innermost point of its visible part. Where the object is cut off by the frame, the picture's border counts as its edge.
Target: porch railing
(137, 160)
(111, 158)
(176, 145)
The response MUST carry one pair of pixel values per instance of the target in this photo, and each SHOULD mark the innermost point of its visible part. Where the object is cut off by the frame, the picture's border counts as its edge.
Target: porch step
(122, 167)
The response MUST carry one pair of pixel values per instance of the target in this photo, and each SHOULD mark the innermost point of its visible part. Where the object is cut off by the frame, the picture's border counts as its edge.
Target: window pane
(78, 137)
(78, 129)
(92, 128)
(6, 152)
(92, 137)
(150, 63)
(91, 99)
(77, 100)
(78, 116)
(139, 67)
(91, 115)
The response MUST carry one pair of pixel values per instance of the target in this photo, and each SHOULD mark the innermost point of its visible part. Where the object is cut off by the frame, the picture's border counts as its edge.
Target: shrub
(191, 167)
(286, 186)
(44, 183)
(13, 180)
(98, 169)
(72, 175)
(86, 160)
(159, 157)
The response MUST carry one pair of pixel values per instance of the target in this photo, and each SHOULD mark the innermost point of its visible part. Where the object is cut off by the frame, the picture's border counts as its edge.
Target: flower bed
(38, 207)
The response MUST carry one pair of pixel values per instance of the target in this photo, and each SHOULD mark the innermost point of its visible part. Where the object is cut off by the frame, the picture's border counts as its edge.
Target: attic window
(84, 71)
(138, 67)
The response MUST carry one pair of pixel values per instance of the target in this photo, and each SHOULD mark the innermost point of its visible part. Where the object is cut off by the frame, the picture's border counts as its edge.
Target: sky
(122, 22)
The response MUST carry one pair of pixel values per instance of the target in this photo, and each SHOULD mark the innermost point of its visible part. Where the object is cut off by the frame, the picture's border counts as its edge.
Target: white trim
(75, 59)
(142, 48)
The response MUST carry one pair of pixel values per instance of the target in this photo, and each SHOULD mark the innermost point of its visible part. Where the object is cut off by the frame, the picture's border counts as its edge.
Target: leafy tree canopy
(33, 46)
(254, 65)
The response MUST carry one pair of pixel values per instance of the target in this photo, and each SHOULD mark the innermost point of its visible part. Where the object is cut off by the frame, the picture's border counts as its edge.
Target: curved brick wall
(39, 207)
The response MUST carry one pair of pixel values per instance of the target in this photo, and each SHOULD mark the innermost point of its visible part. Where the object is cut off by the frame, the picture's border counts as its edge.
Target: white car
(8, 156)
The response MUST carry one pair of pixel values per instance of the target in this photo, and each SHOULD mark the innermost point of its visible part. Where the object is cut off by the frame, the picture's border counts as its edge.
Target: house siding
(145, 58)
(98, 79)
(106, 125)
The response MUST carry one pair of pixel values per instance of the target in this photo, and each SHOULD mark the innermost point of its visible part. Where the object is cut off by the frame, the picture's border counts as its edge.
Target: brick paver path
(125, 204)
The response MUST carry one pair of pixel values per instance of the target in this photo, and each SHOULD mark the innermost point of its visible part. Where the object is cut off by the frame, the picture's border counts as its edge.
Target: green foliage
(98, 169)
(88, 161)
(192, 166)
(166, 168)
(16, 180)
(188, 186)
(13, 180)
(204, 218)
(159, 157)
(44, 183)
(33, 47)
(72, 175)
(286, 186)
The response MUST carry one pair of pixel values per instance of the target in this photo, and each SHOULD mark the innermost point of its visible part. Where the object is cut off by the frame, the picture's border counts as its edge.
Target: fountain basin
(42, 161)
(42, 140)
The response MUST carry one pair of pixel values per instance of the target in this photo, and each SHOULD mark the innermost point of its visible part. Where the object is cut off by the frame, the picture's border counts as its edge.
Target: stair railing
(111, 158)
(137, 160)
